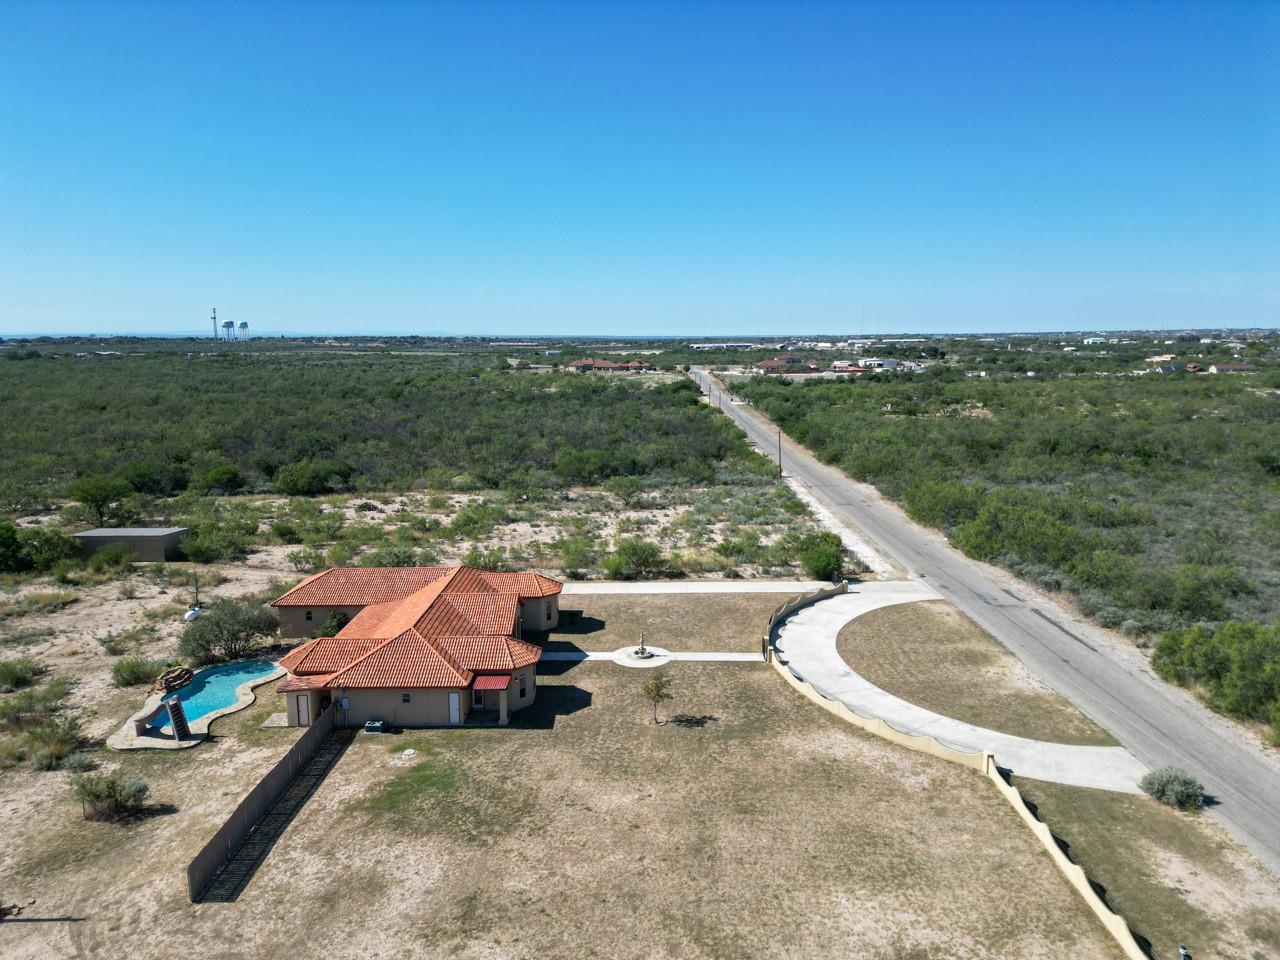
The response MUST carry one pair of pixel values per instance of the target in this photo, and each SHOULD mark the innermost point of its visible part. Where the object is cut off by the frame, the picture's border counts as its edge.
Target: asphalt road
(1106, 678)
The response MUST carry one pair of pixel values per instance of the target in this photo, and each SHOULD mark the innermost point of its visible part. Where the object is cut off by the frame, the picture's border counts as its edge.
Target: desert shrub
(19, 672)
(135, 671)
(822, 556)
(306, 560)
(227, 630)
(79, 762)
(334, 622)
(45, 548)
(107, 797)
(1174, 788)
(113, 557)
(477, 520)
(36, 602)
(633, 559)
(33, 705)
(494, 558)
(285, 532)
(391, 556)
(51, 742)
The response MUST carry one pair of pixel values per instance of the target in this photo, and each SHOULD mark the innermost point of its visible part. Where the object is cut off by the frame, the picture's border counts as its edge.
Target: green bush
(824, 559)
(633, 559)
(227, 630)
(1174, 788)
(135, 671)
(114, 556)
(53, 741)
(107, 797)
(19, 672)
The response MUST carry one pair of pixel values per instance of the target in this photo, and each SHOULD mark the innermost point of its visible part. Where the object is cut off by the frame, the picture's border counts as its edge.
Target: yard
(932, 655)
(752, 824)
(1176, 877)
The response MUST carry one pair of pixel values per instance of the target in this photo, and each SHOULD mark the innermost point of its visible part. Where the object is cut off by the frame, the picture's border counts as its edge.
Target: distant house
(1232, 368)
(847, 366)
(877, 363)
(788, 365)
(144, 543)
(590, 365)
(425, 646)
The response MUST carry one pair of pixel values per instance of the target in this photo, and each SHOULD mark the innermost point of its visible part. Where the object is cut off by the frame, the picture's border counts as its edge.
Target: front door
(455, 708)
(477, 699)
(304, 709)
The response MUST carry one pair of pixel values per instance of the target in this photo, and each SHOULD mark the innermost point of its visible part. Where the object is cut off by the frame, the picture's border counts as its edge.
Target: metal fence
(220, 848)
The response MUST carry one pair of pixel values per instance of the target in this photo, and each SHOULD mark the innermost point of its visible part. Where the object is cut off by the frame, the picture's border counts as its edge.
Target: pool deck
(127, 739)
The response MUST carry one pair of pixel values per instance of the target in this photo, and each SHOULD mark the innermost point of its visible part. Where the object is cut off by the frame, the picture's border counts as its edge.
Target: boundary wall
(984, 763)
(222, 845)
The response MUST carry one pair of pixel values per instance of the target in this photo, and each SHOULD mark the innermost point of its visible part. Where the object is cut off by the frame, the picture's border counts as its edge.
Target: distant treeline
(302, 424)
(1155, 501)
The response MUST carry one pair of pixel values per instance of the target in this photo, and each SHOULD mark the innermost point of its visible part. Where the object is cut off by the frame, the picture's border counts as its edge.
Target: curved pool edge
(127, 739)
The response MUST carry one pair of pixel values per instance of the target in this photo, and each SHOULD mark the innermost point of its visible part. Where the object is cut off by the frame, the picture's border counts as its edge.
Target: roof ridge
(361, 659)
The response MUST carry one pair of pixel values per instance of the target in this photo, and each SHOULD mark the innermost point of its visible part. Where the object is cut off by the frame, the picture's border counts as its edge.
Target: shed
(145, 543)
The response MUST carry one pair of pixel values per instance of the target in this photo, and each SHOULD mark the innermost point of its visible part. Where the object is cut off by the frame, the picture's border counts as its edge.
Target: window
(308, 616)
(404, 698)
(547, 605)
(523, 688)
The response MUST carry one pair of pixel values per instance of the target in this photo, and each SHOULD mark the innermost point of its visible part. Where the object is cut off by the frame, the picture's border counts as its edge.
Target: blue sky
(642, 168)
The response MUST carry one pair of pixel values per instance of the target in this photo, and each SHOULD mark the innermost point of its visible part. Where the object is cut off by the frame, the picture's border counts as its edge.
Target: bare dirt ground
(1176, 877)
(769, 829)
(932, 655)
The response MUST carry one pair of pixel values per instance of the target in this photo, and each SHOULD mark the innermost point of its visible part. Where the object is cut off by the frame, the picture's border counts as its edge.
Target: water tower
(228, 329)
(244, 330)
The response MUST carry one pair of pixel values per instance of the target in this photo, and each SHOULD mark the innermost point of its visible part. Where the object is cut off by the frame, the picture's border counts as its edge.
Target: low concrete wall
(206, 864)
(790, 607)
(984, 763)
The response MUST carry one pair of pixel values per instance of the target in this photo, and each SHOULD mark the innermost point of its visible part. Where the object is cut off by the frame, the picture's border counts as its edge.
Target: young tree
(226, 630)
(99, 493)
(657, 688)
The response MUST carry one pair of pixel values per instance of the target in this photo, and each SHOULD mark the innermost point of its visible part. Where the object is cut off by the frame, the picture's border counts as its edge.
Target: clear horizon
(704, 170)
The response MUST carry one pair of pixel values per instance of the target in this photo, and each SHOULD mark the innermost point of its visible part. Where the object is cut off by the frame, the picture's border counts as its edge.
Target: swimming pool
(214, 689)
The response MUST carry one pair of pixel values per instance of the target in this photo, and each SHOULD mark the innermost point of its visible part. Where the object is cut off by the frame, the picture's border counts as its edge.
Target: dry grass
(708, 622)
(769, 829)
(1175, 877)
(933, 655)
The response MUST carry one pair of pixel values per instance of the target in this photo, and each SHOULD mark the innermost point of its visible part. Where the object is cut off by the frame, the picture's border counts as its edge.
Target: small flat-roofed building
(145, 543)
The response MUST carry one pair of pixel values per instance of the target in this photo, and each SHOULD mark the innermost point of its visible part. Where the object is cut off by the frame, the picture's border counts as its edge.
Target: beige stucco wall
(540, 613)
(314, 700)
(294, 622)
(426, 708)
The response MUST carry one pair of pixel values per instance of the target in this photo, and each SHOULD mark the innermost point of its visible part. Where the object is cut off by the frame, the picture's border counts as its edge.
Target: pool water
(214, 688)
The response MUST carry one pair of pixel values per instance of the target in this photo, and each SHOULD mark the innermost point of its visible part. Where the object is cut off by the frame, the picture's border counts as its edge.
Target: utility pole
(779, 453)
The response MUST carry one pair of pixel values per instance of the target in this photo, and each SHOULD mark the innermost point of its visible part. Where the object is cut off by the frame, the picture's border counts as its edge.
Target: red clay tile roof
(359, 586)
(459, 621)
(409, 660)
(364, 586)
(494, 681)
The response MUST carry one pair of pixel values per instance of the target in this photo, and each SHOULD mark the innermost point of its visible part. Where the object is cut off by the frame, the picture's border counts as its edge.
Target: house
(588, 365)
(788, 365)
(425, 646)
(1232, 368)
(144, 543)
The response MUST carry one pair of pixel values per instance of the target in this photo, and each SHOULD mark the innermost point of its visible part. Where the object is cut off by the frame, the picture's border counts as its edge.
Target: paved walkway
(693, 586)
(624, 658)
(807, 643)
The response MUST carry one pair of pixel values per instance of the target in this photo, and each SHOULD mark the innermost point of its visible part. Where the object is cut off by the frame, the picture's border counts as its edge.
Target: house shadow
(574, 623)
(552, 702)
(559, 657)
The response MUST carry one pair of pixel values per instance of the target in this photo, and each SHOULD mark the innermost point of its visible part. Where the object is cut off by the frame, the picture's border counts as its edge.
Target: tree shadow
(150, 811)
(551, 702)
(689, 721)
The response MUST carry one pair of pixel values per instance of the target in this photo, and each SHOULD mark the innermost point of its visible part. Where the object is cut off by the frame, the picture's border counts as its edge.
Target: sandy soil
(770, 830)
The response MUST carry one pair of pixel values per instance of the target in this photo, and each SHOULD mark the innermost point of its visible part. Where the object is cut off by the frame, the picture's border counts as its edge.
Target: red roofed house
(426, 646)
